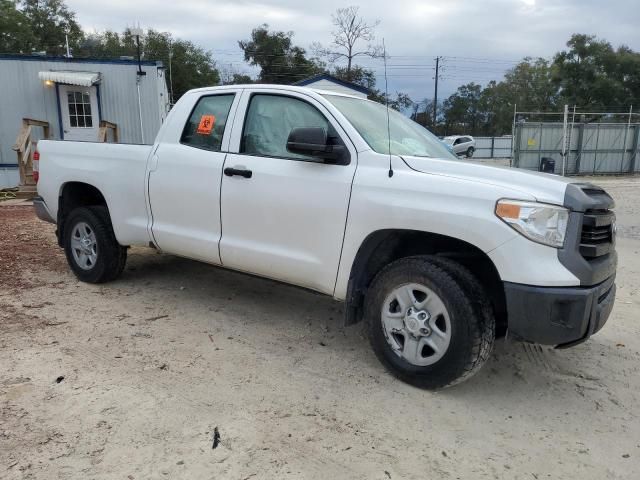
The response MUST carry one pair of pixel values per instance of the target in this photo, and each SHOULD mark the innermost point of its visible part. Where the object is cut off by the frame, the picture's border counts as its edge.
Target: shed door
(79, 109)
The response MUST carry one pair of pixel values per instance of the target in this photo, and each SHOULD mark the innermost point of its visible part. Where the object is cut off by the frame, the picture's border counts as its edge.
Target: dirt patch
(132, 379)
(26, 244)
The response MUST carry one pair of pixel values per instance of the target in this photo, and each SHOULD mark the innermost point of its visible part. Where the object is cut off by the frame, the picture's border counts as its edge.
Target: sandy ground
(129, 380)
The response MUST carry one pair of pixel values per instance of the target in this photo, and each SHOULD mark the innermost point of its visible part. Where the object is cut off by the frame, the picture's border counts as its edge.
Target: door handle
(230, 172)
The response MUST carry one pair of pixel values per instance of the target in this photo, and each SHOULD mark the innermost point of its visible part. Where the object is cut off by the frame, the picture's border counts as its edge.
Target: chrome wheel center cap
(86, 244)
(417, 322)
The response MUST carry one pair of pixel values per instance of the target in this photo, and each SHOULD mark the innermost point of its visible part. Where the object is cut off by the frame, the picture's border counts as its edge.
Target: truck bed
(117, 170)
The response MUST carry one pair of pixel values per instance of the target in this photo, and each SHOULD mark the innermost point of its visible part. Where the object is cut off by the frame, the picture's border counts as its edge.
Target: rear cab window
(206, 124)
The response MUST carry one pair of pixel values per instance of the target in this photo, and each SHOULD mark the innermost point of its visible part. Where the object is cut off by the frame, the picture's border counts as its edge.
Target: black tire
(471, 316)
(470, 151)
(111, 256)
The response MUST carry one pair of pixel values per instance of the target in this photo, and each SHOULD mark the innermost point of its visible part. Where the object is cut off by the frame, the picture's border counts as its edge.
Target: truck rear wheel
(429, 321)
(92, 251)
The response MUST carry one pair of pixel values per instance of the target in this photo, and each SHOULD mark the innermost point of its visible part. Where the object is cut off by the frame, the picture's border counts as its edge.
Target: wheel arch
(76, 194)
(382, 247)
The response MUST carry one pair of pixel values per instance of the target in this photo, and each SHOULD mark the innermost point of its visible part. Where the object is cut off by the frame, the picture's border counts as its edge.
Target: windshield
(407, 137)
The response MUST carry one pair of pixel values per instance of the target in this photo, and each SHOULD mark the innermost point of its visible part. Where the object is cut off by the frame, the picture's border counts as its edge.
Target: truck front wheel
(92, 251)
(429, 321)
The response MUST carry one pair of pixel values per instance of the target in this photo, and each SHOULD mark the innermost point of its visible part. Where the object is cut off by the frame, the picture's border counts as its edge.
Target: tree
(497, 102)
(229, 77)
(529, 85)
(462, 109)
(350, 29)
(358, 75)
(50, 21)
(366, 78)
(279, 60)
(422, 113)
(627, 70)
(401, 102)
(192, 66)
(592, 74)
(16, 35)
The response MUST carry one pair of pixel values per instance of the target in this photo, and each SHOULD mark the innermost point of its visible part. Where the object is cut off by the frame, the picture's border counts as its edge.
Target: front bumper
(42, 212)
(561, 316)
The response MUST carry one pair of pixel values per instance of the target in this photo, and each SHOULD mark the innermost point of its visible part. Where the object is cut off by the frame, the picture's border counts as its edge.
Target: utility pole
(565, 120)
(172, 103)
(435, 96)
(137, 32)
(66, 42)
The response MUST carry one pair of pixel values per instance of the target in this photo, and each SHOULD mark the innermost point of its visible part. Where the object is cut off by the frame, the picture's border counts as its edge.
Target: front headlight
(540, 222)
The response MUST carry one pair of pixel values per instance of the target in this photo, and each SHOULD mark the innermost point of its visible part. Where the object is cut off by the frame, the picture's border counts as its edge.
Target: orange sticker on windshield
(206, 124)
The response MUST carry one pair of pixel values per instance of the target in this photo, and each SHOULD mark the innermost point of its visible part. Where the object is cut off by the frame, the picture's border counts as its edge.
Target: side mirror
(313, 141)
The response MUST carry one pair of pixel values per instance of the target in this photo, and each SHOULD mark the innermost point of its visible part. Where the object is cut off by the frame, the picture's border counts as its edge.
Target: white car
(437, 256)
(461, 144)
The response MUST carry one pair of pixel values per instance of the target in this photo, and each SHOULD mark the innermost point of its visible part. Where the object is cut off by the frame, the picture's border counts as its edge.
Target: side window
(205, 126)
(458, 141)
(269, 121)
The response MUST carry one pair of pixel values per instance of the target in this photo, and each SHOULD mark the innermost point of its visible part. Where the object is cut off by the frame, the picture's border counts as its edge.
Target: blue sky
(479, 39)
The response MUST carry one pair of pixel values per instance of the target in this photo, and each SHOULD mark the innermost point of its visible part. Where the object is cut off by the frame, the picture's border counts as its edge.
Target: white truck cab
(314, 189)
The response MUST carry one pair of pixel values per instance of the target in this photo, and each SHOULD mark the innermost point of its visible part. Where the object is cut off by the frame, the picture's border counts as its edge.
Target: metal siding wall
(119, 98)
(22, 94)
(501, 147)
(594, 148)
(529, 154)
(9, 177)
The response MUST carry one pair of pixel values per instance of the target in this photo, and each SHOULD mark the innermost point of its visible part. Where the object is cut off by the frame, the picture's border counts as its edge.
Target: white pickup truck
(438, 256)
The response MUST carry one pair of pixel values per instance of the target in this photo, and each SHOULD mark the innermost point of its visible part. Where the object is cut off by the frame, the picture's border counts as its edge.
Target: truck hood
(543, 187)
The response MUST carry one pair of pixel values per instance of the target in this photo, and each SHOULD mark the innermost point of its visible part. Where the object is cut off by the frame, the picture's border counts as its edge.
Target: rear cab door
(185, 171)
(287, 220)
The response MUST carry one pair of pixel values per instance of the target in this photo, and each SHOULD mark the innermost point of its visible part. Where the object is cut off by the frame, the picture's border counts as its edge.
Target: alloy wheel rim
(416, 324)
(84, 246)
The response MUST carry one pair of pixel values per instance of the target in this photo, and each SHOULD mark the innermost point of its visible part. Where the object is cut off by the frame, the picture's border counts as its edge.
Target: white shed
(333, 84)
(73, 96)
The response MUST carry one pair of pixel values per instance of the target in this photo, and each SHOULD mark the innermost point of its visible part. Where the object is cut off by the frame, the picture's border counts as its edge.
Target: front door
(79, 109)
(286, 218)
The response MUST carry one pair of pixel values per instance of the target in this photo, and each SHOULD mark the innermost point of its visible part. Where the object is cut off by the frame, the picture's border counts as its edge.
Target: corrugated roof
(85, 79)
(51, 58)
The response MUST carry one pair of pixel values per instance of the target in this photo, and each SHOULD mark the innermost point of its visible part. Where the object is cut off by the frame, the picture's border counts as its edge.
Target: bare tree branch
(350, 29)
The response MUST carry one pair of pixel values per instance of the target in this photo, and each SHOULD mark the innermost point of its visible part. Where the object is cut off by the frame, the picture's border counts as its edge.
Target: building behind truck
(72, 96)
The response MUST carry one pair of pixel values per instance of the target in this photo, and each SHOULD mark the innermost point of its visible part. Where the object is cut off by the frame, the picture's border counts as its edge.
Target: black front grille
(596, 238)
